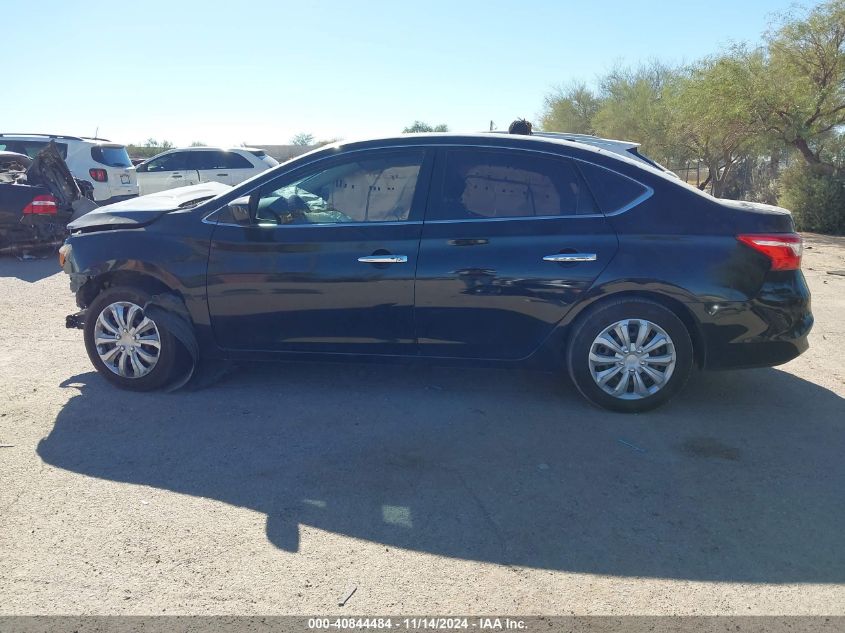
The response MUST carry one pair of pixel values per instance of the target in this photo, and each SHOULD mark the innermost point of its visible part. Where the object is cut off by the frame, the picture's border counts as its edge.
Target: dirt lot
(430, 490)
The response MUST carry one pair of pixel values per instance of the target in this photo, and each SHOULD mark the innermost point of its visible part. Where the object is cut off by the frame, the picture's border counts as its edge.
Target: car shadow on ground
(42, 266)
(741, 478)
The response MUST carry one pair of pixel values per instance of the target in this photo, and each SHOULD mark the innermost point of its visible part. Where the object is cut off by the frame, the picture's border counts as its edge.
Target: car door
(511, 240)
(163, 172)
(328, 264)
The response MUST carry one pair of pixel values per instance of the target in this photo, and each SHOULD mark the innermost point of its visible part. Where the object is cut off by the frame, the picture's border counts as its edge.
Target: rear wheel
(126, 347)
(630, 355)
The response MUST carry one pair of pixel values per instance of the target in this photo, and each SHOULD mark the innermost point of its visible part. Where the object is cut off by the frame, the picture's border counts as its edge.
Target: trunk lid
(756, 217)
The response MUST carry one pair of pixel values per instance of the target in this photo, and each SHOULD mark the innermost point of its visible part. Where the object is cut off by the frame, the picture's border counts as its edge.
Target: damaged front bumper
(74, 321)
(68, 265)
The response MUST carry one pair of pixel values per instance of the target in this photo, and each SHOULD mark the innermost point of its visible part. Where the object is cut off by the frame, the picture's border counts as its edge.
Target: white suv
(193, 165)
(104, 164)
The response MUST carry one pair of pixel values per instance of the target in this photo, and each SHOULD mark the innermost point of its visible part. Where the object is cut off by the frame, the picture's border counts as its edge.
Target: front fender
(172, 253)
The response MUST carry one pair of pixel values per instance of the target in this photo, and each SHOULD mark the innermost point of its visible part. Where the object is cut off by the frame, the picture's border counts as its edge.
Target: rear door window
(495, 184)
(236, 161)
(218, 159)
(208, 159)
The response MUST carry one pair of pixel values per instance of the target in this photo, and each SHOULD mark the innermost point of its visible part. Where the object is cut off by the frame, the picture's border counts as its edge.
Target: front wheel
(630, 355)
(128, 348)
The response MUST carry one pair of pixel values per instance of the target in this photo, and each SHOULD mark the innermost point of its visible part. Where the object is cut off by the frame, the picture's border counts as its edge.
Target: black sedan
(494, 249)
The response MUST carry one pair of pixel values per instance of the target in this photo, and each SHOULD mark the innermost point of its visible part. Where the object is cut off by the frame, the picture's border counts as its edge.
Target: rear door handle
(570, 257)
(222, 174)
(175, 175)
(384, 259)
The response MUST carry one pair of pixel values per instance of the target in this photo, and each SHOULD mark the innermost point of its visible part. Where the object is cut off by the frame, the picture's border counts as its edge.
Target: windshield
(111, 155)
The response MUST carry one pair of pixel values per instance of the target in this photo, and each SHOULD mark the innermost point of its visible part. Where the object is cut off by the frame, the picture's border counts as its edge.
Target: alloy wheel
(127, 342)
(632, 359)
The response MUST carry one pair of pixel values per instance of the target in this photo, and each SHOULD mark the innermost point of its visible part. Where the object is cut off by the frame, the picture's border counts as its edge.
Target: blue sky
(260, 71)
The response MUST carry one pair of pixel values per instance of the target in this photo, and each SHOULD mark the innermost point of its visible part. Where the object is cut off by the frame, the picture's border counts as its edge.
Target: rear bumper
(769, 330)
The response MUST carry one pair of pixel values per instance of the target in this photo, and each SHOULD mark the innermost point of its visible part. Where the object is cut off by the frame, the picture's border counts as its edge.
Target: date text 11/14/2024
(419, 623)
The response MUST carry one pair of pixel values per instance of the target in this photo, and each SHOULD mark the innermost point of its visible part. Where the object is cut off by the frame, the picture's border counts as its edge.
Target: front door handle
(175, 175)
(222, 174)
(384, 259)
(563, 258)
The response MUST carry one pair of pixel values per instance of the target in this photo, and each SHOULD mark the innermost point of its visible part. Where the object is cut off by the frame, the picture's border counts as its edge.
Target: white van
(104, 164)
(193, 165)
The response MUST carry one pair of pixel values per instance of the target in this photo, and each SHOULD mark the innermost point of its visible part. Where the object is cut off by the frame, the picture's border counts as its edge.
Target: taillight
(100, 175)
(783, 249)
(42, 205)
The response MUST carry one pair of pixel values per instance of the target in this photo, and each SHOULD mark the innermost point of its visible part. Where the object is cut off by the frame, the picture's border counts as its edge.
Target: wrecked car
(475, 249)
(38, 197)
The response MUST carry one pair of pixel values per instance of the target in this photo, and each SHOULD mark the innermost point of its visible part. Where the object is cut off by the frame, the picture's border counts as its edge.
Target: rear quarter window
(613, 191)
(264, 157)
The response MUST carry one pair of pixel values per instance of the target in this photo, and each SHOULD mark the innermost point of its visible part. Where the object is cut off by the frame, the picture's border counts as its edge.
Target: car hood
(143, 210)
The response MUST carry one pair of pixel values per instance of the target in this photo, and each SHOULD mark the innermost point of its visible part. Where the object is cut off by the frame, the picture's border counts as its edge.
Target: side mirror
(241, 210)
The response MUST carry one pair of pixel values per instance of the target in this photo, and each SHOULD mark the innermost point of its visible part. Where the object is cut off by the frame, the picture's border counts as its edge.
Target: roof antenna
(96, 131)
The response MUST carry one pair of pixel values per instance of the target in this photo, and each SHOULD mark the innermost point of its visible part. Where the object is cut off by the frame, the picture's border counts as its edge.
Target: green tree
(634, 107)
(198, 144)
(796, 83)
(420, 126)
(302, 139)
(571, 109)
(148, 148)
(162, 146)
(710, 120)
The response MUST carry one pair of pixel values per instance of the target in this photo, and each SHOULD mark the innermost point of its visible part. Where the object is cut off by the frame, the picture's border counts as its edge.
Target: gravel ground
(431, 490)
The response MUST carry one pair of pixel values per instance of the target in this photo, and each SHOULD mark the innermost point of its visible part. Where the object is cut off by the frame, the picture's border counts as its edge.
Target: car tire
(144, 353)
(629, 355)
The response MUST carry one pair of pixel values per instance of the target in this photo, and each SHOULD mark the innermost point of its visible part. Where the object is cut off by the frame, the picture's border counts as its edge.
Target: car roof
(536, 142)
(37, 136)
(551, 144)
(589, 139)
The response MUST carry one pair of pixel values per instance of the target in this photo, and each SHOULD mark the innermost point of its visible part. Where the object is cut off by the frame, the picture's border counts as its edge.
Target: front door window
(374, 189)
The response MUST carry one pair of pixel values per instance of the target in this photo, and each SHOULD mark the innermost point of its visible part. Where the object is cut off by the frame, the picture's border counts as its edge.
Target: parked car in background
(193, 165)
(37, 199)
(503, 249)
(105, 165)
